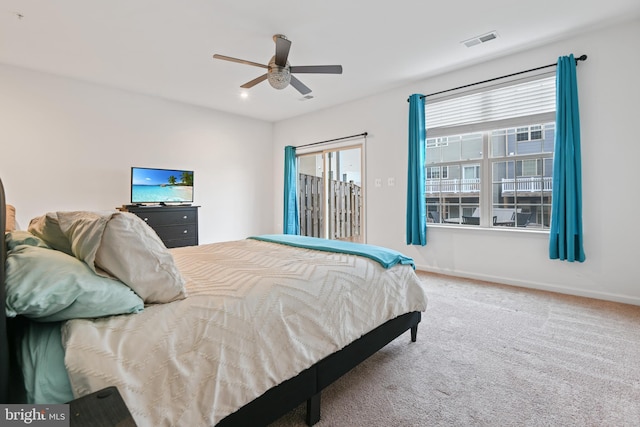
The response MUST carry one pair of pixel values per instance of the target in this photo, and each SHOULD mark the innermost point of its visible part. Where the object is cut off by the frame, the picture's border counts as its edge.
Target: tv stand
(175, 225)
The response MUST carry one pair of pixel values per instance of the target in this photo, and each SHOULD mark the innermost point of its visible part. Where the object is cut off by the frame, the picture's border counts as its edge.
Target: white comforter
(256, 314)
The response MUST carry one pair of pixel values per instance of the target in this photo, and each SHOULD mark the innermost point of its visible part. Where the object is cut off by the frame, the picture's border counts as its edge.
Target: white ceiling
(165, 47)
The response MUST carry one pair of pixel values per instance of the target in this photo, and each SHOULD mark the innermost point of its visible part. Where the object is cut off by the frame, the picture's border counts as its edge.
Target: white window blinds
(491, 108)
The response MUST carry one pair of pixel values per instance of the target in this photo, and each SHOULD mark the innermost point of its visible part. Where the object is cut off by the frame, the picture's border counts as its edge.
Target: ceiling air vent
(480, 39)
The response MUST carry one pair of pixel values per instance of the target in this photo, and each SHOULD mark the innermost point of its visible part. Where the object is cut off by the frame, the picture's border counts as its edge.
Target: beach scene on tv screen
(161, 185)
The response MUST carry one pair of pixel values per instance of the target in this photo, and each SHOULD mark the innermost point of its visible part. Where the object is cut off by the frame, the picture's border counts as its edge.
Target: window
(496, 146)
(529, 133)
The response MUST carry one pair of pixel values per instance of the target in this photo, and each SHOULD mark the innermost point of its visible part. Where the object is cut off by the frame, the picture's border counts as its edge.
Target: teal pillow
(22, 237)
(48, 285)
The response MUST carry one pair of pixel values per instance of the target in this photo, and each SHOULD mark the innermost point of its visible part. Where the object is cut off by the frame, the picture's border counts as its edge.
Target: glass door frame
(323, 151)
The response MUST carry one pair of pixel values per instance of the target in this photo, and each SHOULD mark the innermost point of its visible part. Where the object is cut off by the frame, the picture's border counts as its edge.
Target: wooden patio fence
(345, 204)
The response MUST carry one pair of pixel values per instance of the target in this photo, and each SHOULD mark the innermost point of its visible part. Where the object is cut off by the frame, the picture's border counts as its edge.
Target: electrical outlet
(391, 182)
(378, 182)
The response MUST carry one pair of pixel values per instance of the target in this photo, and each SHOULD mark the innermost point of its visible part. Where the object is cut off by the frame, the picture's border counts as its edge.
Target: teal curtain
(565, 240)
(416, 202)
(291, 222)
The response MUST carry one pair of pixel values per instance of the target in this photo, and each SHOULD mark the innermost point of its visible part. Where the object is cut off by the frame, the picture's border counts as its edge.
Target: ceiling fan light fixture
(280, 73)
(278, 77)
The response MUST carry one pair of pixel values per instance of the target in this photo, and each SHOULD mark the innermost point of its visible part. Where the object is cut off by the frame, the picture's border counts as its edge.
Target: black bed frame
(274, 403)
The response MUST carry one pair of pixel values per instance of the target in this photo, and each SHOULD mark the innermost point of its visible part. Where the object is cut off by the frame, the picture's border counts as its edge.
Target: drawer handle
(185, 217)
(185, 232)
(146, 219)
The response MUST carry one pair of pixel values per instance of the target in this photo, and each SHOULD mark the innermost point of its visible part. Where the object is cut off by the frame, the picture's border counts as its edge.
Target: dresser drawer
(170, 217)
(171, 232)
(178, 243)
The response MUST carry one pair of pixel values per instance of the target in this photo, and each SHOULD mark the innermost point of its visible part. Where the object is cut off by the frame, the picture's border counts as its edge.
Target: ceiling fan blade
(240, 61)
(299, 86)
(254, 82)
(322, 69)
(282, 50)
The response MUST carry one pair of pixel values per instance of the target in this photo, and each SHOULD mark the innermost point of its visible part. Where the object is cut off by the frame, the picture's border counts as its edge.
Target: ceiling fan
(279, 71)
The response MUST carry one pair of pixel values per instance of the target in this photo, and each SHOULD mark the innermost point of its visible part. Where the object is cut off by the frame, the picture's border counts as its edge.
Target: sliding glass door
(330, 194)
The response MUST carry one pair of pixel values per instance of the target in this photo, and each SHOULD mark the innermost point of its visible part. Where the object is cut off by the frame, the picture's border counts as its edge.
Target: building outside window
(489, 156)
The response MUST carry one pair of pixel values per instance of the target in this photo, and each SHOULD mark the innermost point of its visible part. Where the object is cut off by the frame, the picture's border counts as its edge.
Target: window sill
(497, 229)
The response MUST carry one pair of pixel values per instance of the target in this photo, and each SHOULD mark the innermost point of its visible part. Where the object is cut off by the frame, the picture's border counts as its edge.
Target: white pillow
(83, 230)
(48, 229)
(131, 251)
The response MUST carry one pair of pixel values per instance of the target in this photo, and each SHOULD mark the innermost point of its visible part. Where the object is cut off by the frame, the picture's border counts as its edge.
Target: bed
(245, 332)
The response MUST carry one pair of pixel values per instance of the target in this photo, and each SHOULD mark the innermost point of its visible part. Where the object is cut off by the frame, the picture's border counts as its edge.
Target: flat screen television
(161, 186)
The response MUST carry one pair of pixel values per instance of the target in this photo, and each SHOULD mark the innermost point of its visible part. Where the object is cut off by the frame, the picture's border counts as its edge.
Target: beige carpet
(493, 355)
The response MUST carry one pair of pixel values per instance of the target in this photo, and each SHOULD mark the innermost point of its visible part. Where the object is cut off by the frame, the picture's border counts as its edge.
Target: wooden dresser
(175, 225)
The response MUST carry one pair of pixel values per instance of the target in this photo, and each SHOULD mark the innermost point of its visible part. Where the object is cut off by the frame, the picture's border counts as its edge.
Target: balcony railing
(529, 184)
(434, 186)
(524, 185)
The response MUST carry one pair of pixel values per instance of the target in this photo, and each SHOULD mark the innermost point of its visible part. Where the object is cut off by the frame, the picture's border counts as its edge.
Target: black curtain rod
(332, 140)
(580, 58)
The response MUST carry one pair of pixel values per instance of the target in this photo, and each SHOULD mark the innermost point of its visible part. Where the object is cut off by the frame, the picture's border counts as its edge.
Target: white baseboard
(534, 285)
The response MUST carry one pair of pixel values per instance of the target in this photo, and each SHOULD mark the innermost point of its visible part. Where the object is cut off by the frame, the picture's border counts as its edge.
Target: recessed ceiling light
(244, 95)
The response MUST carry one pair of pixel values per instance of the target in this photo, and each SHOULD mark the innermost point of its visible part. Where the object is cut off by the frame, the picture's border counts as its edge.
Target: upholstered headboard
(4, 341)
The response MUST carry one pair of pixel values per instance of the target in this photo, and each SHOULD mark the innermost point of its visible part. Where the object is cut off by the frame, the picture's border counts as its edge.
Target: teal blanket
(41, 357)
(386, 257)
